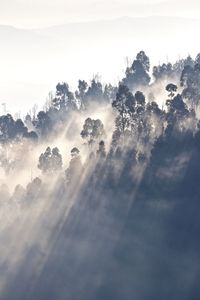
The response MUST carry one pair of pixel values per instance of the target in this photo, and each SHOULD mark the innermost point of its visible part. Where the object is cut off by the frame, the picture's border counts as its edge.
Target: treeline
(120, 219)
(140, 122)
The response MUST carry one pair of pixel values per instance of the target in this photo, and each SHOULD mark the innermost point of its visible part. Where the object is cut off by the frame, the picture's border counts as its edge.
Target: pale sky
(32, 62)
(37, 13)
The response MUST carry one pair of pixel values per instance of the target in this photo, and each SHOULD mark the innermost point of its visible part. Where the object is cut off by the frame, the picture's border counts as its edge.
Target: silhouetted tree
(64, 100)
(177, 111)
(11, 130)
(33, 189)
(190, 81)
(19, 194)
(75, 168)
(56, 160)
(81, 93)
(137, 75)
(172, 89)
(50, 161)
(43, 123)
(163, 71)
(94, 92)
(109, 93)
(101, 152)
(125, 105)
(93, 130)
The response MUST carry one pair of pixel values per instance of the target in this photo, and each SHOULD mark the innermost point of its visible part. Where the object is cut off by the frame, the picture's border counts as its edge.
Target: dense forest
(99, 192)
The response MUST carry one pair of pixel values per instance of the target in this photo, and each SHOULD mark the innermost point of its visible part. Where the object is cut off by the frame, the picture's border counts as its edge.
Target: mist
(99, 193)
(33, 60)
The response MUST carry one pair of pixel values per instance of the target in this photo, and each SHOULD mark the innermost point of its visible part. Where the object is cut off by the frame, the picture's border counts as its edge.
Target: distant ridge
(36, 59)
(105, 21)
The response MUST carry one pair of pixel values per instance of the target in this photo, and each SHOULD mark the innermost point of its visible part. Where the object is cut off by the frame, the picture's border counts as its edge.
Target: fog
(34, 61)
(99, 193)
(44, 13)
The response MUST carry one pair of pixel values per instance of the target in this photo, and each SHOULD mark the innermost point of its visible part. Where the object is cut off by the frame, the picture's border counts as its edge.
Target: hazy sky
(36, 13)
(32, 62)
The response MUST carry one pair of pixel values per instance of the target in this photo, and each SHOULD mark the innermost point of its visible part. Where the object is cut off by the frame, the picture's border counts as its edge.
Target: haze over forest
(99, 150)
(99, 192)
(34, 60)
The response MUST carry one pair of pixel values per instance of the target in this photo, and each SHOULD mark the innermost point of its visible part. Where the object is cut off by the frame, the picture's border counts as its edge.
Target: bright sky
(36, 13)
(32, 63)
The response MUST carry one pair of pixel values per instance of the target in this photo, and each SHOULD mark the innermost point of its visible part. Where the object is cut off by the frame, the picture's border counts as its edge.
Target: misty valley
(100, 190)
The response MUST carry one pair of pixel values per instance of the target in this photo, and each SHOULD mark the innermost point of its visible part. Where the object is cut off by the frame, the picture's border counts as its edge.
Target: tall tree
(171, 89)
(138, 74)
(101, 152)
(75, 168)
(50, 161)
(93, 130)
(94, 92)
(81, 93)
(125, 106)
(64, 100)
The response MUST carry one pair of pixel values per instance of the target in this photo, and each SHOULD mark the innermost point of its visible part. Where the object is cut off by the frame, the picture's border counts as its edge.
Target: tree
(92, 130)
(172, 89)
(56, 160)
(189, 61)
(140, 102)
(94, 92)
(109, 93)
(152, 107)
(144, 60)
(130, 121)
(32, 135)
(43, 123)
(139, 125)
(75, 152)
(45, 161)
(125, 105)
(165, 71)
(197, 59)
(101, 152)
(28, 121)
(177, 109)
(33, 189)
(75, 168)
(187, 76)
(64, 100)
(11, 130)
(81, 93)
(190, 81)
(137, 75)
(50, 161)
(19, 194)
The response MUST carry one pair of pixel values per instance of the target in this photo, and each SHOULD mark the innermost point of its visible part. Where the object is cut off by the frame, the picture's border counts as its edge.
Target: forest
(99, 191)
